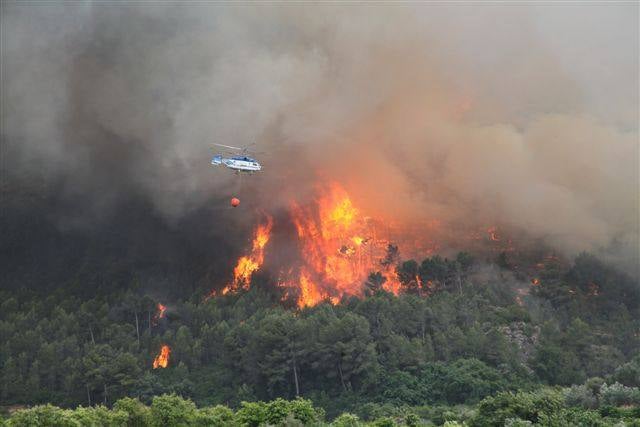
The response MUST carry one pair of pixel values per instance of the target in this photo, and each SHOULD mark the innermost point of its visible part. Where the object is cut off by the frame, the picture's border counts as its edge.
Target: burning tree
(337, 249)
(162, 359)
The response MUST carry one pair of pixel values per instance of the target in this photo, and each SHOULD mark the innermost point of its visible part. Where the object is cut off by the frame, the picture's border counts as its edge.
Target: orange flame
(338, 249)
(244, 270)
(358, 240)
(310, 293)
(392, 284)
(159, 313)
(161, 310)
(493, 234)
(337, 258)
(162, 359)
(247, 265)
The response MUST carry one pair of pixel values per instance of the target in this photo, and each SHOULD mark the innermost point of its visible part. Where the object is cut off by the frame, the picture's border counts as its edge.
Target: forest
(329, 213)
(473, 347)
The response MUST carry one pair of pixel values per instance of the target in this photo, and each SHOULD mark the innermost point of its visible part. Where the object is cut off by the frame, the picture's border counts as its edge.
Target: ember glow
(161, 310)
(493, 234)
(162, 359)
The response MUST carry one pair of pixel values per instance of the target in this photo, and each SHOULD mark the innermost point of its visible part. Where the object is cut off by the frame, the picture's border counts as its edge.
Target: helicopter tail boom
(216, 160)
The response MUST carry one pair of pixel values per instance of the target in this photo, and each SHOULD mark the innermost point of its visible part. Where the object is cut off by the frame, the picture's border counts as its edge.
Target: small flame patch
(162, 359)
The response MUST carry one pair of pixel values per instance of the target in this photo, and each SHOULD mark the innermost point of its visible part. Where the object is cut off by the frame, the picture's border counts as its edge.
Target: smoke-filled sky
(512, 114)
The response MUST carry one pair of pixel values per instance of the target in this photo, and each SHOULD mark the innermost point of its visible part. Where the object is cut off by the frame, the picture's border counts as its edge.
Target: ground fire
(162, 359)
(336, 247)
(339, 248)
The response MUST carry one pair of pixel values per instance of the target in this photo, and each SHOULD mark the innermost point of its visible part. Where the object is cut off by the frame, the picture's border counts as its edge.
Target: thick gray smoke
(515, 115)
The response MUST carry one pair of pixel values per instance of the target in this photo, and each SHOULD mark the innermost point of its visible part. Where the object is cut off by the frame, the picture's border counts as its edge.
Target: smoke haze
(517, 115)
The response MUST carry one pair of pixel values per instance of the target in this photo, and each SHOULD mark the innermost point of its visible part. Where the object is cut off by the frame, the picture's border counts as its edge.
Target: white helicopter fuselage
(238, 163)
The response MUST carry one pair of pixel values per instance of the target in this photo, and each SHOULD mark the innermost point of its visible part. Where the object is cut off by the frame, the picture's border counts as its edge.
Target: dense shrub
(617, 394)
(304, 411)
(172, 410)
(138, 414)
(383, 422)
(582, 396)
(495, 410)
(217, 416)
(41, 415)
(629, 373)
(346, 420)
(573, 417)
(412, 420)
(465, 380)
(97, 416)
(277, 411)
(543, 407)
(517, 422)
(252, 414)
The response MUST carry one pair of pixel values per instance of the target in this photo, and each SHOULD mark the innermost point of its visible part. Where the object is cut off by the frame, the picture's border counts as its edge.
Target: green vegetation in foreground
(592, 404)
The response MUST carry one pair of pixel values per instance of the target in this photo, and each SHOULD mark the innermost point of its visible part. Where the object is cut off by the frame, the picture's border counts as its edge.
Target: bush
(42, 415)
(346, 420)
(495, 410)
(217, 416)
(617, 395)
(471, 380)
(277, 410)
(594, 385)
(403, 388)
(412, 420)
(580, 395)
(303, 410)
(98, 416)
(573, 417)
(629, 373)
(517, 422)
(138, 414)
(172, 410)
(438, 415)
(252, 414)
(465, 380)
(373, 411)
(383, 422)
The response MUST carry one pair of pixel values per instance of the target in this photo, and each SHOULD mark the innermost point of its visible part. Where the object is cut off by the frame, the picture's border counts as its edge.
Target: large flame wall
(337, 248)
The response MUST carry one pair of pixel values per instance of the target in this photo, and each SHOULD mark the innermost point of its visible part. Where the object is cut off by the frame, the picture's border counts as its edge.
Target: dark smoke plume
(516, 115)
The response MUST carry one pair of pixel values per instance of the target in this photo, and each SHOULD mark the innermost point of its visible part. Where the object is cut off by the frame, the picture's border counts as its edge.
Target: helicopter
(239, 163)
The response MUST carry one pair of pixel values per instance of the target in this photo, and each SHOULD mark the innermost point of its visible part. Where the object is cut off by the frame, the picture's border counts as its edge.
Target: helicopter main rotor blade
(228, 146)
